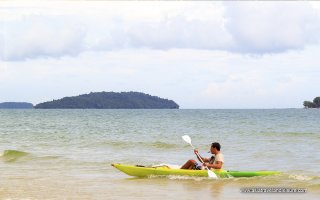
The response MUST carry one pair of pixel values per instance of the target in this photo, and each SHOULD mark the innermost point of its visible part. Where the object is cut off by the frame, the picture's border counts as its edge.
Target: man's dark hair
(216, 145)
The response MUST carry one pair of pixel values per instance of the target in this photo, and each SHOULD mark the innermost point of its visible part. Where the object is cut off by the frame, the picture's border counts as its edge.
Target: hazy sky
(199, 54)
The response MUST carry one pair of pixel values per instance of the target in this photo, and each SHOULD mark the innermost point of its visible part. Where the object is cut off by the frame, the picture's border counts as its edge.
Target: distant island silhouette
(16, 105)
(110, 100)
(314, 104)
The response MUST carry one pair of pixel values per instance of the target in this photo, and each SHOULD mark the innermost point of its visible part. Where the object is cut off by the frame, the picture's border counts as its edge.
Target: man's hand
(196, 151)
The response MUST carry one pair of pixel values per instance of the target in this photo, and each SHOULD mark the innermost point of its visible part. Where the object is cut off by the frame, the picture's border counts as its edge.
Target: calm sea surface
(67, 154)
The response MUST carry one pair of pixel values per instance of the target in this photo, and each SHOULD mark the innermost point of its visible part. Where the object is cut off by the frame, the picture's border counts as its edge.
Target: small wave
(291, 134)
(12, 155)
(49, 157)
(300, 133)
(162, 145)
(300, 177)
(129, 144)
(177, 177)
(118, 144)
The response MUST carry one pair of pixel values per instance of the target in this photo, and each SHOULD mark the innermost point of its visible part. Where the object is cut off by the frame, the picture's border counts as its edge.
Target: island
(314, 104)
(16, 105)
(110, 100)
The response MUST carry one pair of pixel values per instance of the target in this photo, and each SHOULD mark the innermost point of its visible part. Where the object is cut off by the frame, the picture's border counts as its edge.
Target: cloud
(268, 27)
(56, 36)
(40, 36)
(180, 33)
(244, 27)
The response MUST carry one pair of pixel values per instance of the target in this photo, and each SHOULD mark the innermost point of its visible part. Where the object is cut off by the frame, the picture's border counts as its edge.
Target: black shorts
(197, 166)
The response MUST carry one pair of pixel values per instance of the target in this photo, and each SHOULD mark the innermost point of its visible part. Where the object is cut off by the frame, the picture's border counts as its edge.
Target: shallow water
(67, 154)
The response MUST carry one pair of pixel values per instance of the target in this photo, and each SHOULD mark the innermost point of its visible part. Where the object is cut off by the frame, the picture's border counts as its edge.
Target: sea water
(67, 154)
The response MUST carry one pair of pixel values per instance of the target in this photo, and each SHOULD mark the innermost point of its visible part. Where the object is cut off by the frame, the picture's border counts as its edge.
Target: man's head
(215, 147)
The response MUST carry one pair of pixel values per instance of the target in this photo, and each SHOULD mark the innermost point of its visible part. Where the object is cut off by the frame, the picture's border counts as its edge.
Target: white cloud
(269, 81)
(269, 27)
(179, 33)
(66, 28)
(38, 36)
(50, 30)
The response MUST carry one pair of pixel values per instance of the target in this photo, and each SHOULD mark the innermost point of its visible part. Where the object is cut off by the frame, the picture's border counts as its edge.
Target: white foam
(300, 177)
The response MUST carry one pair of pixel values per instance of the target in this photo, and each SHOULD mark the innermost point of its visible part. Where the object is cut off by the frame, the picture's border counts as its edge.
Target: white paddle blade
(187, 139)
(211, 174)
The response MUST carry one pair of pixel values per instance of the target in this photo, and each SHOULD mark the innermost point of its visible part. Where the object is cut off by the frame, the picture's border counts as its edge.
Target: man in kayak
(215, 161)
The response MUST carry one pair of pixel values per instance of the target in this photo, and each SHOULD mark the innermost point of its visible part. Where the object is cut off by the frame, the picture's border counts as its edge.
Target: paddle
(211, 174)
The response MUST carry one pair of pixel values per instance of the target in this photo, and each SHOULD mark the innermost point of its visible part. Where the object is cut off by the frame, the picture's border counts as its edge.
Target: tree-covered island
(110, 100)
(314, 104)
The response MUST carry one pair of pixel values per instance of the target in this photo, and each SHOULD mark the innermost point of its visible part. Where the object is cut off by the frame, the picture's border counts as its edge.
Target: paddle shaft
(199, 157)
(197, 153)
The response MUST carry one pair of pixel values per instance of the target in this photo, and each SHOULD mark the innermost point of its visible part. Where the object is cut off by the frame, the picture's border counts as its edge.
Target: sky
(205, 55)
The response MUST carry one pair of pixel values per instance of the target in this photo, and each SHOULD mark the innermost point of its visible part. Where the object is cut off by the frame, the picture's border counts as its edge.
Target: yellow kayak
(142, 171)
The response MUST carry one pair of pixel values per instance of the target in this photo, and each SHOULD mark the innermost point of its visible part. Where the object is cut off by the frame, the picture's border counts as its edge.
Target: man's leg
(188, 165)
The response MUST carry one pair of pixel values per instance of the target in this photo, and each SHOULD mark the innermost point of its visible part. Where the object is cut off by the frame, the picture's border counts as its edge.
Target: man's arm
(218, 165)
(198, 156)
